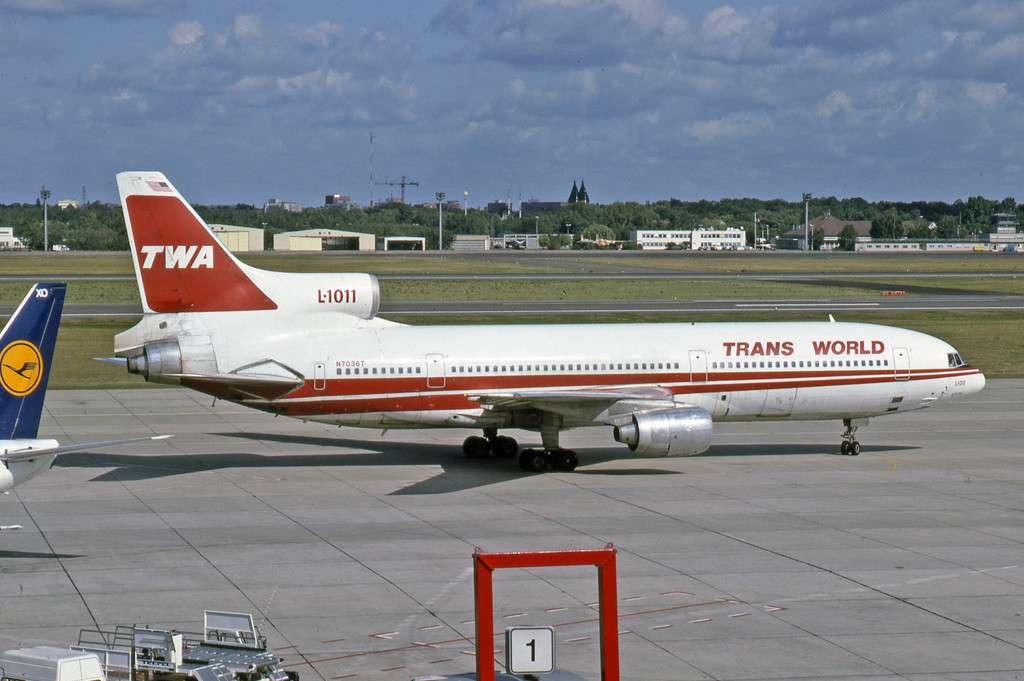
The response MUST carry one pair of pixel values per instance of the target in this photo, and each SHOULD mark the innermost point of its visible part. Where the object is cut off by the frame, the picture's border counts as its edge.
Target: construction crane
(401, 182)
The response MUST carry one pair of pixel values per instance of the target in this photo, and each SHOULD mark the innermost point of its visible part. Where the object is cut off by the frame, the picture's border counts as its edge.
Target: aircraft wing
(606, 406)
(26, 454)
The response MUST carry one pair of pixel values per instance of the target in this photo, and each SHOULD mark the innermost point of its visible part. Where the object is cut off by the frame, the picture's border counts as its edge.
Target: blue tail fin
(26, 351)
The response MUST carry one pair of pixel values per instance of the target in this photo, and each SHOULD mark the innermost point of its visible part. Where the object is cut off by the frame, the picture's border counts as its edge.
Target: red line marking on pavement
(333, 640)
(447, 659)
(578, 639)
(660, 626)
(432, 626)
(634, 598)
(717, 601)
(391, 669)
(343, 676)
(706, 619)
(740, 614)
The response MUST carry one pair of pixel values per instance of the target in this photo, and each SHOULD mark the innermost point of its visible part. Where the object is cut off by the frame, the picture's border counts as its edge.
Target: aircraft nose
(975, 382)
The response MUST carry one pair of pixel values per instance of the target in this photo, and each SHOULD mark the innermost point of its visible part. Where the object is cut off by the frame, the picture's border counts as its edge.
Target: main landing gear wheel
(476, 447)
(563, 460)
(533, 460)
(504, 447)
(849, 446)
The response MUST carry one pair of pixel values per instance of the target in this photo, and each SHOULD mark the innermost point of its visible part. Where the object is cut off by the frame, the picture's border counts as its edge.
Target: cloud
(835, 102)
(69, 8)
(250, 62)
(986, 94)
(732, 128)
(185, 32)
(544, 33)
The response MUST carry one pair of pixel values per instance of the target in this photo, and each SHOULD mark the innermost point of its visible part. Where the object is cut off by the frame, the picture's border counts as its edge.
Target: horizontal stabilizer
(27, 454)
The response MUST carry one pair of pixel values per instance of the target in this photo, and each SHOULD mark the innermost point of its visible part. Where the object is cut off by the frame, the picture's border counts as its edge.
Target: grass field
(994, 341)
(550, 262)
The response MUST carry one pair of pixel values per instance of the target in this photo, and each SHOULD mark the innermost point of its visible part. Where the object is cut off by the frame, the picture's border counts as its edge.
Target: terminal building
(728, 239)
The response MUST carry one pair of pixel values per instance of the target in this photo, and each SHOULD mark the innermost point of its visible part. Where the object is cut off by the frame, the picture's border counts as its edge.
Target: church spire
(573, 195)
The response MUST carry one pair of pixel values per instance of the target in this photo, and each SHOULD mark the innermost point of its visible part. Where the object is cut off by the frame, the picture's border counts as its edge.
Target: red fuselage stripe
(410, 393)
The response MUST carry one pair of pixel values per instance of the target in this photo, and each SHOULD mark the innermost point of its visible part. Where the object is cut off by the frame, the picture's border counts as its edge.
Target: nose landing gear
(849, 446)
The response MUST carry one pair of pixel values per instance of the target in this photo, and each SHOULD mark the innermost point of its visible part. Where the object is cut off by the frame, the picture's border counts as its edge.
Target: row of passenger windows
(801, 364)
(366, 371)
(619, 366)
(513, 368)
(547, 368)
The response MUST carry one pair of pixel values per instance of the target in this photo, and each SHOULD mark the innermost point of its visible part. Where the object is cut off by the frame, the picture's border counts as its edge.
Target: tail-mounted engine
(684, 431)
(164, 361)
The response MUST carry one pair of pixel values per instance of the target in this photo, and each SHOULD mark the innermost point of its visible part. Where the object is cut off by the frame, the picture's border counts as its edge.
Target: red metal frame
(484, 564)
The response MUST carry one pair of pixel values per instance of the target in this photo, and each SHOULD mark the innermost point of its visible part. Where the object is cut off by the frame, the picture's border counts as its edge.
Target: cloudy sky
(643, 99)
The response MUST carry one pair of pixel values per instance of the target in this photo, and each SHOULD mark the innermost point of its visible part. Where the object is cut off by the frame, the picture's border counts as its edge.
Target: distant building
(519, 242)
(535, 206)
(278, 204)
(793, 240)
(239, 239)
(402, 243)
(500, 207)
(323, 240)
(64, 204)
(1003, 234)
(727, 239)
(471, 242)
(892, 245)
(338, 201)
(9, 242)
(579, 195)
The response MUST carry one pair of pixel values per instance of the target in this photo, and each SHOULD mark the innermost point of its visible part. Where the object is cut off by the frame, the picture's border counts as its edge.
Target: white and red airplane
(310, 346)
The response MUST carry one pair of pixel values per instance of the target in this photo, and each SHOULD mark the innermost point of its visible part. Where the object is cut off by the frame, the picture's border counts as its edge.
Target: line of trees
(101, 226)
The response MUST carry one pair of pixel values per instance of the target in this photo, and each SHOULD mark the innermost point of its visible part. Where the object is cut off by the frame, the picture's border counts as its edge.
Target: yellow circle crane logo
(21, 368)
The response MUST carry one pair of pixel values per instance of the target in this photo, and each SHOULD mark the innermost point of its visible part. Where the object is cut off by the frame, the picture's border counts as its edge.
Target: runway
(770, 557)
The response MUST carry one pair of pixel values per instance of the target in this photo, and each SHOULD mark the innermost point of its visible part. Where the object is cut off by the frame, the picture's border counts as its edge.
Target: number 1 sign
(529, 649)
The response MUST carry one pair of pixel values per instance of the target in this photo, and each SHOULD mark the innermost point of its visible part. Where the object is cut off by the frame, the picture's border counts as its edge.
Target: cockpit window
(955, 360)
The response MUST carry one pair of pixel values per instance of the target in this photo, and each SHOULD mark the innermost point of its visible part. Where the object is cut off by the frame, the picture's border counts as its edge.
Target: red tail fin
(180, 264)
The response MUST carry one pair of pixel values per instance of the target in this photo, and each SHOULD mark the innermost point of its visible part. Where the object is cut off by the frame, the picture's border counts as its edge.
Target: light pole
(440, 223)
(807, 229)
(44, 194)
